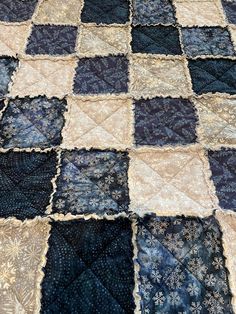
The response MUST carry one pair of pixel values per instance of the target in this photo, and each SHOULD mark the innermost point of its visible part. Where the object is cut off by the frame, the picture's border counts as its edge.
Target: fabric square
(151, 76)
(58, 12)
(101, 75)
(155, 174)
(165, 121)
(89, 267)
(98, 122)
(230, 10)
(182, 266)
(153, 12)
(17, 10)
(202, 13)
(156, 39)
(217, 120)
(52, 40)
(25, 183)
(103, 40)
(213, 75)
(7, 67)
(207, 41)
(32, 122)
(23, 249)
(105, 12)
(92, 181)
(43, 77)
(223, 168)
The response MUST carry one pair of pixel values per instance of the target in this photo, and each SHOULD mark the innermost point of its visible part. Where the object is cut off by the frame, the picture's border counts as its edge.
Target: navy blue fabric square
(207, 41)
(7, 67)
(52, 40)
(223, 168)
(213, 75)
(89, 268)
(101, 75)
(25, 183)
(230, 10)
(105, 11)
(165, 121)
(92, 181)
(17, 10)
(32, 122)
(156, 39)
(182, 266)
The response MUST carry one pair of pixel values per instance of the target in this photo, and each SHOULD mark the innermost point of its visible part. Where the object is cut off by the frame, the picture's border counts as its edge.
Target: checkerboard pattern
(118, 156)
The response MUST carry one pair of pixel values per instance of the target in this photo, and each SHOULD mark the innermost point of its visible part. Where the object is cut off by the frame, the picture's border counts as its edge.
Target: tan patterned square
(217, 120)
(103, 40)
(168, 182)
(58, 12)
(43, 77)
(23, 248)
(98, 122)
(13, 39)
(152, 77)
(199, 13)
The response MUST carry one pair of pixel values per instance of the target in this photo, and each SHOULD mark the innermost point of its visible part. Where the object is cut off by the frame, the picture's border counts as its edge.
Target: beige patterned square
(58, 12)
(23, 249)
(13, 39)
(98, 122)
(217, 120)
(103, 40)
(153, 76)
(169, 182)
(199, 13)
(43, 77)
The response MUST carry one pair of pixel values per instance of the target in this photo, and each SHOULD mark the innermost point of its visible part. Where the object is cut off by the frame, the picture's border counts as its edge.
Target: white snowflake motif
(156, 276)
(193, 289)
(174, 298)
(210, 280)
(173, 242)
(151, 241)
(159, 298)
(196, 308)
(212, 242)
(116, 194)
(191, 230)
(109, 179)
(197, 267)
(158, 227)
(60, 203)
(175, 279)
(218, 263)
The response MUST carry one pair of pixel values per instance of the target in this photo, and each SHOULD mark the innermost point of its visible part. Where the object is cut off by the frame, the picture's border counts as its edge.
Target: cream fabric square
(43, 77)
(169, 182)
(23, 249)
(58, 12)
(98, 122)
(153, 76)
(200, 13)
(217, 120)
(13, 39)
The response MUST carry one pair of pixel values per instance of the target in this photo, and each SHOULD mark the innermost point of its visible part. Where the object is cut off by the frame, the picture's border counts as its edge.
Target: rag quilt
(117, 156)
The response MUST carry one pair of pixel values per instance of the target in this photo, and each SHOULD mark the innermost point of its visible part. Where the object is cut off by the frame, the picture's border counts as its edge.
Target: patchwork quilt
(118, 156)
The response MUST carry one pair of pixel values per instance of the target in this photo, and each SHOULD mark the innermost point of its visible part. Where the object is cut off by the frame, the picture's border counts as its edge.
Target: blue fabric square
(32, 122)
(165, 121)
(25, 183)
(207, 41)
(17, 10)
(92, 181)
(182, 267)
(52, 40)
(89, 268)
(101, 75)
(223, 168)
(156, 39)
(153, 12)
(213, 75)
(7, 67)
(230, 10)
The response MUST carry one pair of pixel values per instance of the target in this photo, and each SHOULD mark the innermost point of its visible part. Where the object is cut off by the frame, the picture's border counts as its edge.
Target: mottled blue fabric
(32, 122)
(207, 41)
(165, 121)
(230, 10)
(156, 39)
(105, 11)
(101, 75)
(52, 40)
(89, 268)
(182, 267)
(223, 168)
(213, 75)
(92, 181)
(7, 67)
(17, 10)
(25, 183)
